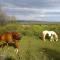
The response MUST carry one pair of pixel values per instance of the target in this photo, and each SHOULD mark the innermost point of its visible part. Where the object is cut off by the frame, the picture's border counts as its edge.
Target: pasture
(31, 47)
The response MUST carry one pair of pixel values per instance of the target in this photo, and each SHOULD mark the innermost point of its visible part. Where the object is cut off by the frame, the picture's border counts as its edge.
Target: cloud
(30, 13)
(34, 3)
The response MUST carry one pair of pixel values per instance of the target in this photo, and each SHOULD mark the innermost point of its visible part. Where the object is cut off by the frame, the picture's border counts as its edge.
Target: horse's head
(16, 35)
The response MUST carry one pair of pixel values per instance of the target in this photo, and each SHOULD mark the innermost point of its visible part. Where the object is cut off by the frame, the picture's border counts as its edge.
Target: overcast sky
(41, 10)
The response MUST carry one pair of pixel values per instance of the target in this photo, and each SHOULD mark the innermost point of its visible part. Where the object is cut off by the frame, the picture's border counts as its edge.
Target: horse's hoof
(16, 50)
(56, 40)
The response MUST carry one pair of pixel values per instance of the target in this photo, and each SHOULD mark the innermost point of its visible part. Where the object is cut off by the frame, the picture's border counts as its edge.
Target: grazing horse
(11, 38)
(51, 34)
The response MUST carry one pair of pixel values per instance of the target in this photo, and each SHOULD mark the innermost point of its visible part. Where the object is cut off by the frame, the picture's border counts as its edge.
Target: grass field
(32, 48)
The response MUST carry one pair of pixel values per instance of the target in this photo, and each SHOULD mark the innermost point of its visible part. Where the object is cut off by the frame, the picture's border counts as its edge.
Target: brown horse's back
(7, 37)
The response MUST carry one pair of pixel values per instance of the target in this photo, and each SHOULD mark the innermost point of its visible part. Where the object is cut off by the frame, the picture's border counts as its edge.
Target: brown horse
(11, 38)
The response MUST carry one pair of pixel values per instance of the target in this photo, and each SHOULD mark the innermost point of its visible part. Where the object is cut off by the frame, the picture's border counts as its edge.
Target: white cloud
(15, 8)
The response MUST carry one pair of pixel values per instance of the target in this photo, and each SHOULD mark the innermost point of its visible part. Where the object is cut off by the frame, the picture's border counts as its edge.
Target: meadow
(31, 47)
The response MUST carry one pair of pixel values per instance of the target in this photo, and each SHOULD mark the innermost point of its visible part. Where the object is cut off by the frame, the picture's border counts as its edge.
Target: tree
(4, 18)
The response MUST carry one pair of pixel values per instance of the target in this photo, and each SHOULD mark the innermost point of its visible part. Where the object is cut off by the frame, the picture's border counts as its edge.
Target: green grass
(32, 48)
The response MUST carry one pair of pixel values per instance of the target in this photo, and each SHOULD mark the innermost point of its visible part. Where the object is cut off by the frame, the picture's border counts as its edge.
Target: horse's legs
(52, 38)
(44, 37)
(56, 39)
(17, 46)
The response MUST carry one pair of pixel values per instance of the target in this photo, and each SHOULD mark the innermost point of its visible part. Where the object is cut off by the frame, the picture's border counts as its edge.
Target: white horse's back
(45, 32)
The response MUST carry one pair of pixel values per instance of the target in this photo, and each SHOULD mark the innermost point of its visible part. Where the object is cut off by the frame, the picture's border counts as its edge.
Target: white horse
(53, 36)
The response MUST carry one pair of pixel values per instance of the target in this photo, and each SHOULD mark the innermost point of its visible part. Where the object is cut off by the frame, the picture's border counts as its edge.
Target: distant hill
(36, 22)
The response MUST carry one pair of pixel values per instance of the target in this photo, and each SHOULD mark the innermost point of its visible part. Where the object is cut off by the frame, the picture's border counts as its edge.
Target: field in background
(31, 46)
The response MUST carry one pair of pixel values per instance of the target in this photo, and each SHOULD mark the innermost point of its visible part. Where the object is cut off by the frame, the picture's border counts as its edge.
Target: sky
(34, 10)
